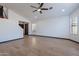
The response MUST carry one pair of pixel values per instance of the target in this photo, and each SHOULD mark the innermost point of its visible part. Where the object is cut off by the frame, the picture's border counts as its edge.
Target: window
(33, 27)
(74, 25)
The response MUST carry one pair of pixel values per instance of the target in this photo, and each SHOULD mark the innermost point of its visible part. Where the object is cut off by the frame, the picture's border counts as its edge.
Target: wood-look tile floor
(39, 46)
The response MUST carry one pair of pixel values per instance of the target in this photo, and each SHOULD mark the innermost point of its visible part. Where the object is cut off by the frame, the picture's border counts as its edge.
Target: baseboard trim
(73, 41)
(49, 36)
(56, 38)
(10, 40)
(41, 36)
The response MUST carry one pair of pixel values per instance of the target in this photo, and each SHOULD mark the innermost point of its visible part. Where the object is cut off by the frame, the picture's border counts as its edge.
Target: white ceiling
(25, 10)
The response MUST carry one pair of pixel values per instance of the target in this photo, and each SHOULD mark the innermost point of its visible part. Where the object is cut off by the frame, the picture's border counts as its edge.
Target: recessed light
(63, 10)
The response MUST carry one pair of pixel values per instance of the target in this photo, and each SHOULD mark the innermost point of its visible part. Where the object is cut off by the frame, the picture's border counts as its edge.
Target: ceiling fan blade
(34, 10)
(40, 12)
(34, 7)
(41, 5)
(44, 8)
(51, 8)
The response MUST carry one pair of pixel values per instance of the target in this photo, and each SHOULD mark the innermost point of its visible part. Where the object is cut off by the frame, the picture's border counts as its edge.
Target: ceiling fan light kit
(39, 10)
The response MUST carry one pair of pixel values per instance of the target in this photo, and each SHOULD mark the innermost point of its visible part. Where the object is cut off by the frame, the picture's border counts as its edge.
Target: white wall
(73, 15)
(16, 17)
(54, 27)
(9, 28)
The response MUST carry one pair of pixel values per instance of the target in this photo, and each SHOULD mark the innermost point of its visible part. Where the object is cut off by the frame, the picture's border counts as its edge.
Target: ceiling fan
(39, 8)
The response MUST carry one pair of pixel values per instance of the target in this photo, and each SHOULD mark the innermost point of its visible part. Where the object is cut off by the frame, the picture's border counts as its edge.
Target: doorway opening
(24, 26)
